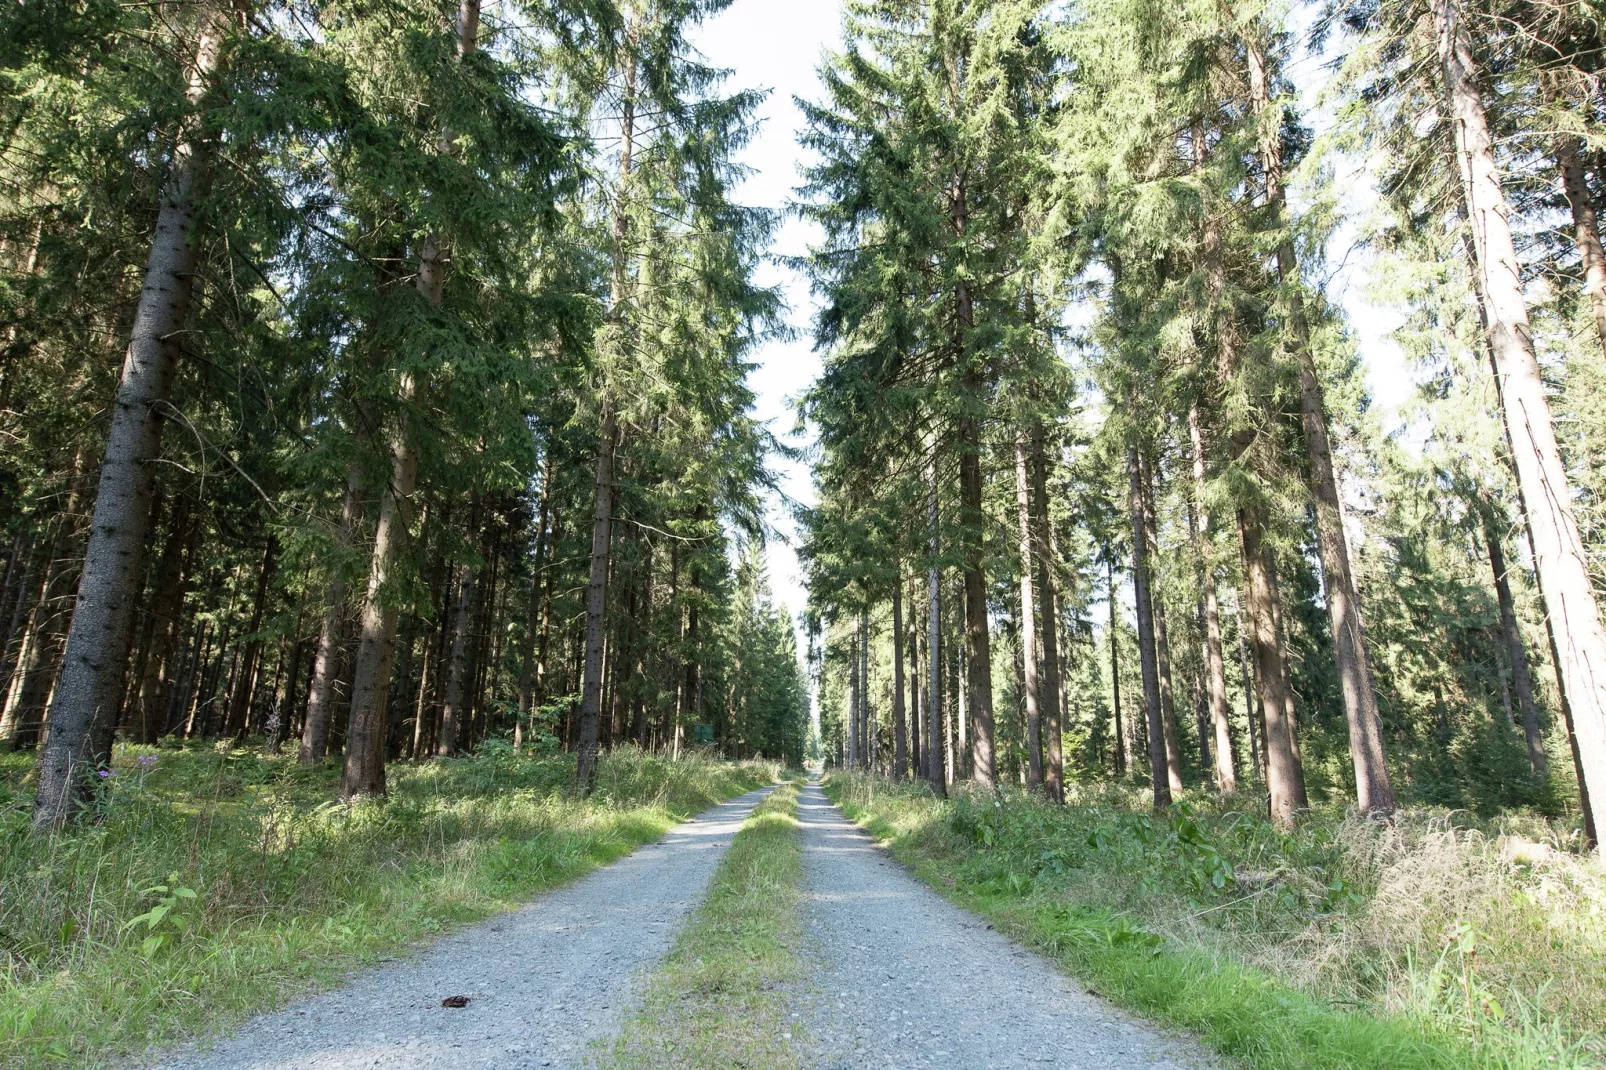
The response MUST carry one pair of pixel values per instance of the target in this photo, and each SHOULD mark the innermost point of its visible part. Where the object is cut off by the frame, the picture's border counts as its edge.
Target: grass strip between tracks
(722, 996)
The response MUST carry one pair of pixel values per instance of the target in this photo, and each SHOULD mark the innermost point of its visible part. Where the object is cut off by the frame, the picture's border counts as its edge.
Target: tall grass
(270, 887)
(1426, 941)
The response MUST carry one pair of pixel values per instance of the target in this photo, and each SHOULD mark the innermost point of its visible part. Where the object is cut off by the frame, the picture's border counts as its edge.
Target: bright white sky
(776, 45)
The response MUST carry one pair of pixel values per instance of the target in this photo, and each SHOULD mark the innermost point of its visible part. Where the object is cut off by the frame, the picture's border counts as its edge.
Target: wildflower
(104, 773)
(145, 761)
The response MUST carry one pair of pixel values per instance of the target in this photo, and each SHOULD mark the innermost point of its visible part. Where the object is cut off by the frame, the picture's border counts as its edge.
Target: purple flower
(104, 773)
(145, 761)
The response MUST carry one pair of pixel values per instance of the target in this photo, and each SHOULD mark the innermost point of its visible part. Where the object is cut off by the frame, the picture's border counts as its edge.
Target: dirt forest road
(543, 981)
(905, 979)
(893, 977)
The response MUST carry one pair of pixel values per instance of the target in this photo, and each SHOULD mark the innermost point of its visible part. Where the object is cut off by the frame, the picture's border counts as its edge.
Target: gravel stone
(906, 979)
(543, 982)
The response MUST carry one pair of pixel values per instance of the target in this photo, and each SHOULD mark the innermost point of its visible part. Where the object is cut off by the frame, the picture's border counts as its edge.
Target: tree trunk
(900, 742)
(1515, 652)
(1373, 791)
(978, 643)
(1028, 620)
(1160, 776)
(1162, 645)
(917, 720)
(1214, 662)
(596, 605)
(1558, 551)
(315, 727)
(173, 575)
(91, 681)
(245, 684)
(376, 648)
(527, 663)
(1585, 231)
(1049, 679)
(1115, 678)
(1283, 779)
(934, 749)
(1484, 319)
(452, 708)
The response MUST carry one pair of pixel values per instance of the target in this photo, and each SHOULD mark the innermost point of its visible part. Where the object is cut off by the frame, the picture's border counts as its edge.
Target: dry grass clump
(1465, 922)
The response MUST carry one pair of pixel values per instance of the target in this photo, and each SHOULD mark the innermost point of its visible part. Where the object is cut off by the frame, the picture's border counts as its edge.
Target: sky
(777, 45)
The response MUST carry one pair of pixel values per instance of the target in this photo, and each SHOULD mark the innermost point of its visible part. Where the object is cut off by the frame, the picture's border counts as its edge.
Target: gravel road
(543, 981)
(906, 979)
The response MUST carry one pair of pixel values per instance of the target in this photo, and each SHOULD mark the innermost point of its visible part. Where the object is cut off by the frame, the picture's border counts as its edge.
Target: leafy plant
(165, 922)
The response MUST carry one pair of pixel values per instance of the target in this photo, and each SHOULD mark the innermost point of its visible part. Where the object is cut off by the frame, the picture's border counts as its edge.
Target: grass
(271, 888)
(721, 996)
(1346, 944)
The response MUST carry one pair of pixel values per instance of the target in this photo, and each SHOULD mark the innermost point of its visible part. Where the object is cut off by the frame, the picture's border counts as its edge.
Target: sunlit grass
(721, 998)
(291, 889)
(1348, 943)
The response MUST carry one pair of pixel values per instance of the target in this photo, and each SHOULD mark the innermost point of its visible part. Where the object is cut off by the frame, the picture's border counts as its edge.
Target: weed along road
(541, 983)
(906, 979)
(888, 975)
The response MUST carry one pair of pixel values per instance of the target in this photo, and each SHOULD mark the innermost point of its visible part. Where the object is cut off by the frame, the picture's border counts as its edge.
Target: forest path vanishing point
(894, 976)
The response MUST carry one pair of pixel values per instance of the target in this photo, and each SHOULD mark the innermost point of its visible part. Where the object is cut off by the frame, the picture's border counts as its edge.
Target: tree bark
(1115, 678)
(1283, 779)
(900, 742)
(1214, 662)
(1374, 794)
(978, 643)
(1159, 775)
(245, 683)
(1557, 548)
(1162, 645)
(315, 726)
(866, 742)
(596, 605)
(90, 685)
(368, 724)
(1028, 620)
(934, 731)
(452, 708)
(1049, 679)
(1585, 230)
(527, 664)
(1516, 654)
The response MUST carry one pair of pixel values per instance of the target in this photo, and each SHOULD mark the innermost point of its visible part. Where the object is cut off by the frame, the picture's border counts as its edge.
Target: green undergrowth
(1418, 944)
(721, 996)
(212, 883)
